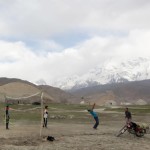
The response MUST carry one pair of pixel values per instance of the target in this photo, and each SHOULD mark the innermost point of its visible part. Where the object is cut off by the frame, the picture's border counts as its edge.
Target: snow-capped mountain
(109, 72)
(41, 82)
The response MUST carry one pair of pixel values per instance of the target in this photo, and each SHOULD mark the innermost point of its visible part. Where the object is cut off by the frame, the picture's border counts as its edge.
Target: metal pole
(41, 114)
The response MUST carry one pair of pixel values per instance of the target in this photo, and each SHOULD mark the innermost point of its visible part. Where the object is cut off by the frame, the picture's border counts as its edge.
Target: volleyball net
(27, 110)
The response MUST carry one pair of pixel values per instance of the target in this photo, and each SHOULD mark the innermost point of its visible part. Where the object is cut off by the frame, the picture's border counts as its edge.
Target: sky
(53, 39)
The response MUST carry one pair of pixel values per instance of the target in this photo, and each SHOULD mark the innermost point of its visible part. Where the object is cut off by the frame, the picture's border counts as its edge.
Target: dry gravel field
(74, 132)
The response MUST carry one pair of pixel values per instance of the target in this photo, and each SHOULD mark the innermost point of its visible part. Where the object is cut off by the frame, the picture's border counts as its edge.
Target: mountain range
(134, 92)
(119, 82)
(131, 92)
(109, 72)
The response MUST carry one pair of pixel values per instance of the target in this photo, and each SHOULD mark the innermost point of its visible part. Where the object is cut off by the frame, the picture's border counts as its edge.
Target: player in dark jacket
(128, 116)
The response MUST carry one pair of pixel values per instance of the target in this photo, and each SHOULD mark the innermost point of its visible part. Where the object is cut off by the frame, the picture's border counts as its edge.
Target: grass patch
(57, 112)
(64, 113)
(132, 108)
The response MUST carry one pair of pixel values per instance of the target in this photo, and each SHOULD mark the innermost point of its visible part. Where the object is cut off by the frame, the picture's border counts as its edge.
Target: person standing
(7, 117)
(128, 116)
(45, 117)
(95, 116)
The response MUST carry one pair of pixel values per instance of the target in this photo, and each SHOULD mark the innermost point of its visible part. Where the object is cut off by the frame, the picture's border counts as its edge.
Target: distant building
(125, 103)
(110, 103)
(141, 102)
(82, 102)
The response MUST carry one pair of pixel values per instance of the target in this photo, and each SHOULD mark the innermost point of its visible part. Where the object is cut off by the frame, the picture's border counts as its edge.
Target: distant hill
(128, 92)
(15, 88)
(4, 81)
(136, 92)
(58, 94)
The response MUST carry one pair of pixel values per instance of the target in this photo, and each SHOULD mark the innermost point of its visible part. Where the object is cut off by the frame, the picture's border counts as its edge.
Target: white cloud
(20, 61)
(41, 19)
(116, 29)
(14, 51)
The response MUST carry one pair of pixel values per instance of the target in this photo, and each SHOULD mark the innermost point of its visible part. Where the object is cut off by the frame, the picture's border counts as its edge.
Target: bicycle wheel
(139, 133)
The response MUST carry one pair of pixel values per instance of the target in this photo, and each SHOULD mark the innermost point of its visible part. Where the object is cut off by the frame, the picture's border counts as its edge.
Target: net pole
(5, 103)
(41, 114)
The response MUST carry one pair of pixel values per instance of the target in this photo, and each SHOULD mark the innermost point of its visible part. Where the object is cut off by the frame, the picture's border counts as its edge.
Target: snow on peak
(40, 82)
(109, 72)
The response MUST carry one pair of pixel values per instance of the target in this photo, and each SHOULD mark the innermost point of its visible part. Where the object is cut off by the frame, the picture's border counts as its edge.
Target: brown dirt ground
(72, 136)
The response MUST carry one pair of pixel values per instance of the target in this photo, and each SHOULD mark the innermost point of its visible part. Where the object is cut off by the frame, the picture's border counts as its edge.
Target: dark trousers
(7, 123)
(96, 122)
(45, 122)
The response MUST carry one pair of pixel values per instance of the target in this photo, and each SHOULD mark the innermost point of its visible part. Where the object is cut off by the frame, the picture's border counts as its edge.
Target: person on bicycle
(128, 116)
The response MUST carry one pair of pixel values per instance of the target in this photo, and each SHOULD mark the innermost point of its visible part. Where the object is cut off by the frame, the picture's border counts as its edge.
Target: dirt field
(74, 136)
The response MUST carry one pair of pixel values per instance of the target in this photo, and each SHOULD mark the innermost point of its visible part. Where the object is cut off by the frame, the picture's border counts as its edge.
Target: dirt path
(71, 136)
